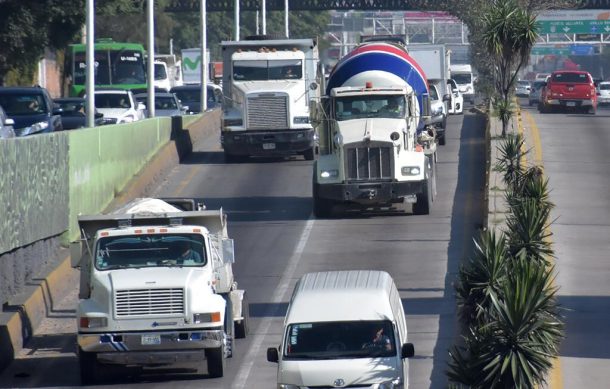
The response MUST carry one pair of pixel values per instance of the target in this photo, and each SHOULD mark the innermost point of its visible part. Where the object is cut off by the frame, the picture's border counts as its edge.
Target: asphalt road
(277, 240)
(574, 153)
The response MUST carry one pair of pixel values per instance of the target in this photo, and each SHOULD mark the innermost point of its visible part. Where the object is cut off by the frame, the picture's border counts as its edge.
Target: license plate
(151, 339)
(269, 146)
(571, 104)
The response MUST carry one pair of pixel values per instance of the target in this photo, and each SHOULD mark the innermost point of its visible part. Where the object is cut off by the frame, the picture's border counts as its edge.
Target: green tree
(29, 27)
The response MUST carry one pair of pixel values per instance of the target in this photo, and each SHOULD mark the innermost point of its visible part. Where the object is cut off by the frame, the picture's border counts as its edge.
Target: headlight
(287, 386)
(301, 119)
(209, 317)
(93, 322)
(34, 128)
(410, 170)
(394, 384)
(233, 122)
(329, 173)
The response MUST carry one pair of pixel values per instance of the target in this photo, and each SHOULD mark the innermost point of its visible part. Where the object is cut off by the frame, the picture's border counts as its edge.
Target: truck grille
(369, 162)
(267, 113)
(145, 302)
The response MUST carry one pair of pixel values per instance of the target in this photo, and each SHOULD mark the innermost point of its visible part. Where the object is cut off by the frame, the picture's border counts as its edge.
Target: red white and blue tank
(382, 64)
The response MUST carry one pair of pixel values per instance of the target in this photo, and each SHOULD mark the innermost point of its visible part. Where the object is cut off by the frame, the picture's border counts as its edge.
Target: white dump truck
(268, 87)
(374, 148)
(157, 289)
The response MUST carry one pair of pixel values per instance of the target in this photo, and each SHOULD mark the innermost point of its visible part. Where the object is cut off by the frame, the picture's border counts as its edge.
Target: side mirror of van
(407, 350)
(446, 97)
(272, 355)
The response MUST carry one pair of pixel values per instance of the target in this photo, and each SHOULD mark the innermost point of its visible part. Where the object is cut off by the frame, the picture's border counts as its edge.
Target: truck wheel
(591, 110)
(322, 208)
(88, 367)
(309, 154)
(441, 140)
(241, 327)
(216, 362)
(424, 199)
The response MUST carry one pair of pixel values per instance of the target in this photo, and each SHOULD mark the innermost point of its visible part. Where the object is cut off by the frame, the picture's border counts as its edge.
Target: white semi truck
(268, 87)
(372, 155)
(157, 289)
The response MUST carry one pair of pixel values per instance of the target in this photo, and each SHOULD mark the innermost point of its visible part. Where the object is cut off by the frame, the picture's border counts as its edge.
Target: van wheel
(424, 199)
(216, 362)
(241, 327)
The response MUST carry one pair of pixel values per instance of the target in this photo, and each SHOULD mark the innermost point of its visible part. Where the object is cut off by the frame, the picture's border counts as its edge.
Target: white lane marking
(281, 293)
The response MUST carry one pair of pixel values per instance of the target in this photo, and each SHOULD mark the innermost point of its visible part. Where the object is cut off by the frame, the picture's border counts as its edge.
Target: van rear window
(571, 77)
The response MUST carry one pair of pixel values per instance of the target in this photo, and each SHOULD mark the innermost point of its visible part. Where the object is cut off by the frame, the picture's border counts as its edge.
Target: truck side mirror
(407, 350)
(446, 97)
(272, 355)
(228, 251)
(426, 105)
(76, 254)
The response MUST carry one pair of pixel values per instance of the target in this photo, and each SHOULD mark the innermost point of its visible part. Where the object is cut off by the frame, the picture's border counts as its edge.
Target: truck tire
(309, 154)
(216, 361)
(424, 199)
(88, 367)
(241, 327)
(322, 208)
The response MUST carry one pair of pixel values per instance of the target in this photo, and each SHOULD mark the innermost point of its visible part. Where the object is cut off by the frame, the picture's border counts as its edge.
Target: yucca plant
(485, 272)
(509, 160)
(531, 185)
(528, 231)
(526, 329)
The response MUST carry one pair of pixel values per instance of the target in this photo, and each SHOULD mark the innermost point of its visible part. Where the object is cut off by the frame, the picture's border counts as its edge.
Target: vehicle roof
(69, 99)
(160, 94)
(21, 89)
(122, 91)
(341, 295)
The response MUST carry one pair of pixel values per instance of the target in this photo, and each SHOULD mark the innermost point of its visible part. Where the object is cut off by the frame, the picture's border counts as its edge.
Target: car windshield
(160, 73)
(371, 106)
(71, 105)
(112, 100)
(462, 78)
(22, 104)
(165, 102)
(577, 78)
(188, 94)
(340, 339)
(158, 250)
(604, 86)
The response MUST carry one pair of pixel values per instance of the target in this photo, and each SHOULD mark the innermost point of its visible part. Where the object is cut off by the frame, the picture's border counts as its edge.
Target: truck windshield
(461, 79)
(370, 106)
(341, 339)
(155, 250)
(261, 70)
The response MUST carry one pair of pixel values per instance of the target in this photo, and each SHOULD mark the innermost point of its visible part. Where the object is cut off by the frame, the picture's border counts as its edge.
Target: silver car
(523, 88)
(166, 104)
(535, 90)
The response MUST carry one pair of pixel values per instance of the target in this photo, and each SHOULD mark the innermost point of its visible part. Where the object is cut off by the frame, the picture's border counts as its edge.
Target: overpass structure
(319, 5)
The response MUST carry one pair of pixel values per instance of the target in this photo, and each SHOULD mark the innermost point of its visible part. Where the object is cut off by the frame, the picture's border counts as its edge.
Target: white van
(464, 78)
(344, 329)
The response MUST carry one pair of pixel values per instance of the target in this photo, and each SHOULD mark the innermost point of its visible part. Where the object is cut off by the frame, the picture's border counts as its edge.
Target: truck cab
(157, 289)
(269, 85)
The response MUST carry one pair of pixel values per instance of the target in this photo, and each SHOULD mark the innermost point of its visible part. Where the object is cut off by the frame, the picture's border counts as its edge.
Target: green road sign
(550, 50)
(574, 27)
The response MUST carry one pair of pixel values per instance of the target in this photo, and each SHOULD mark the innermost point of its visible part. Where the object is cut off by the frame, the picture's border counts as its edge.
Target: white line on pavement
(281, 293)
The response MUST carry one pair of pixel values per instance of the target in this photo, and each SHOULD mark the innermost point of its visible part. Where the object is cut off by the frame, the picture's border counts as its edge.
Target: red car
(569, 90)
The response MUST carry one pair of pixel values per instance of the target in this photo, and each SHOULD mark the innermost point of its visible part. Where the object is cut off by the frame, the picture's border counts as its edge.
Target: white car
(438, 112)
(456, 105)
(166, 104)
(118, 106)
(603, 93)
(523, 87)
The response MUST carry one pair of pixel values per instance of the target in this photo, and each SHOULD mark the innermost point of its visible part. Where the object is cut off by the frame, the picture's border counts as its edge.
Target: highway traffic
(277, 240)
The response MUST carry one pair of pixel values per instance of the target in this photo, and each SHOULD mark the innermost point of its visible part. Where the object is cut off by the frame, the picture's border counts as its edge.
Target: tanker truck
(375, 150)
(156, 289)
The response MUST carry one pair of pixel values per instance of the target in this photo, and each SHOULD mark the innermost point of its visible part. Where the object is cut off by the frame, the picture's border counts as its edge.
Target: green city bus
(117, 65)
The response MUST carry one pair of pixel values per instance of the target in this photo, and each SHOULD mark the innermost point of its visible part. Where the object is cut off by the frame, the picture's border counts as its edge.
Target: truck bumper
(369, 192)
(128, 348)
(267, 143)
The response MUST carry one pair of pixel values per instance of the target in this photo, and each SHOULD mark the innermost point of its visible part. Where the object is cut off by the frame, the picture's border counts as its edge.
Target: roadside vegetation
(506, 297)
